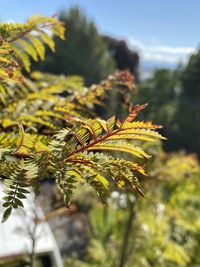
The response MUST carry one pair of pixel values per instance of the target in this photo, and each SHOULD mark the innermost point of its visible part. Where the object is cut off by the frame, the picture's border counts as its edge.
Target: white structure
(17, 231)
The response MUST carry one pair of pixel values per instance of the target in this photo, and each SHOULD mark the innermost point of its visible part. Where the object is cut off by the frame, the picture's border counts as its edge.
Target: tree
(47, 127)
(174, 97)
(188, 111)
(123, 56)
(162, 90)
(83, 52)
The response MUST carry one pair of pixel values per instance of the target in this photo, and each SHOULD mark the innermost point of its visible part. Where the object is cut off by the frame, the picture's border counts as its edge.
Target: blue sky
(163, 31)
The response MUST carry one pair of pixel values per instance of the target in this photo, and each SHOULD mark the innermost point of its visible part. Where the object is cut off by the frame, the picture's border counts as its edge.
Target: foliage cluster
(165, 229)
(48, 129)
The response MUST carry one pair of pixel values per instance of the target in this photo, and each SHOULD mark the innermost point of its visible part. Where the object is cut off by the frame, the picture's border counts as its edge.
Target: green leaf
(21, 196)
(22, 190)
(6, 204)
(6, 214)
(18, 202)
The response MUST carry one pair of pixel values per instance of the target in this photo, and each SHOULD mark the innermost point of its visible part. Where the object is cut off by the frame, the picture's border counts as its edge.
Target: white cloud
(175, 50)
(161, 53)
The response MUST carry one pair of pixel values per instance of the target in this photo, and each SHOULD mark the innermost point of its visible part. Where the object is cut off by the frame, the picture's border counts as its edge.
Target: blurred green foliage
(174, 97)
(165, 226)
(188, 108)
(160, 91)
(83, 52)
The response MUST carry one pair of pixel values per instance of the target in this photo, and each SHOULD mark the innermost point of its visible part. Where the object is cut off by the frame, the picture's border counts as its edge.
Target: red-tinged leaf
(133, 112)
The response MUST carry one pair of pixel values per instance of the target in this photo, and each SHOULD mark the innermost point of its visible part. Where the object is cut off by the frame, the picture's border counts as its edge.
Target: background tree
(188, 107)
(162, 91)
(175, 97)
(83, 52)
(124, 57)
